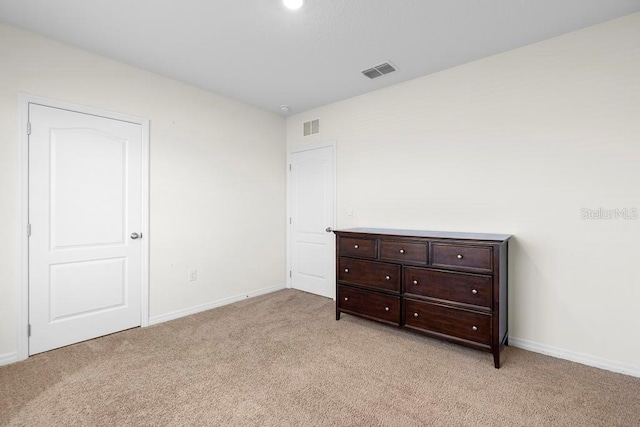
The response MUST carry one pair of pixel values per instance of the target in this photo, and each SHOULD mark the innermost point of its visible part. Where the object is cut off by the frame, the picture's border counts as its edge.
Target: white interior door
(85, 201)
(312, 212)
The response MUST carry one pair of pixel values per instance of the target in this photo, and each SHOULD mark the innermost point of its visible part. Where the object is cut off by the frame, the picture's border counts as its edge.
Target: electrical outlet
(193, 275)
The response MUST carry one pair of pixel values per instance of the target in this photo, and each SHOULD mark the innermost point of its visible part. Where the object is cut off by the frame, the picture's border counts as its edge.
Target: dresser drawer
(464, 288)
(358, 247)
(370, 304)
(371, 274)
(449, 321)
(462, 256)
(402, 251)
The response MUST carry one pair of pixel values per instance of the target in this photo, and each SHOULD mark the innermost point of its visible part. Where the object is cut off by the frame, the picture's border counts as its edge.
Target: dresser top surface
(428, 234)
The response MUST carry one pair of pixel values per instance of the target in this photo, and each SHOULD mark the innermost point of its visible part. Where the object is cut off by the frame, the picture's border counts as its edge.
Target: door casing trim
(22, 293)
(297, 148)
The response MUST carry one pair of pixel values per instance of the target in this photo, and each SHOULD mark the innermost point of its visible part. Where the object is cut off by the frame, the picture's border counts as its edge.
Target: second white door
(85, 204)
(312, 217)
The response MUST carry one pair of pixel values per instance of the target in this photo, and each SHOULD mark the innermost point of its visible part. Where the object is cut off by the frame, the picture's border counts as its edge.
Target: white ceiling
(260, 53)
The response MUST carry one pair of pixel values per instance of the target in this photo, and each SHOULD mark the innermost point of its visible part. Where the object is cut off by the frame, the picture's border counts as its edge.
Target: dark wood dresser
(451, 286)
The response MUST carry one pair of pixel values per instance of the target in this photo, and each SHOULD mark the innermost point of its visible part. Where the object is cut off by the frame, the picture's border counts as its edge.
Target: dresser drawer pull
(460, 256)
(346, 298)
(356, 246)
(415, 314)
(401, 251)
(415, 282)
(475, 328)
(474, 291)
(387, 277)
(346, 270)
(386, 309)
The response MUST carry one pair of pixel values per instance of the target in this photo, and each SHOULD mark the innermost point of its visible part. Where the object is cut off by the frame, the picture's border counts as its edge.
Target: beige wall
(516, 143)
(217, 175)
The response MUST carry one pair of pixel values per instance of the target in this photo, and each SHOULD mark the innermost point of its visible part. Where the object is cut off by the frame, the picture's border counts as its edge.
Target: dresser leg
(496, 359)
(337, 314)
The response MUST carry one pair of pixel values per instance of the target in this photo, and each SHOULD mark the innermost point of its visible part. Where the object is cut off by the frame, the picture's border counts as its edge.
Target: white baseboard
(573, 356)
(154, 320)
(7, 358)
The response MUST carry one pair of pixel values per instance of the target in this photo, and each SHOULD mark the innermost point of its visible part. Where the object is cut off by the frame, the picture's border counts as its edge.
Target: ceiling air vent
(311, 128)
(379, 70)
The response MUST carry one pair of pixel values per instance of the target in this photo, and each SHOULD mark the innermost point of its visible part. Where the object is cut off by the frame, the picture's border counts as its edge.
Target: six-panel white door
(85, 201)
(312, 212)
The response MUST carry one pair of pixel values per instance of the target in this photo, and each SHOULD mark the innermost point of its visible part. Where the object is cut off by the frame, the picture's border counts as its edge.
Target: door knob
(135, 236)
(328, 229)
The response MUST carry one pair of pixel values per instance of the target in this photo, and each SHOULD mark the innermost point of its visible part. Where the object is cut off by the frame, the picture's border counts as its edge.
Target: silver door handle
(135, 236)
(328, 229)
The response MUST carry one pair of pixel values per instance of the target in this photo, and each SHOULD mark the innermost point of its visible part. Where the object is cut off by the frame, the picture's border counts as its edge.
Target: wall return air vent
(380, 70)
(311, 128)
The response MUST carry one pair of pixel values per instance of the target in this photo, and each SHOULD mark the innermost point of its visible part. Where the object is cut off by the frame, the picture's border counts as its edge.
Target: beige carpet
(283, 360)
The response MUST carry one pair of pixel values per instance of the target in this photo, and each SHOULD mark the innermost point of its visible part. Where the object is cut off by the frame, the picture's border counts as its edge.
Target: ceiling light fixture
(293, 4)
(285, 108)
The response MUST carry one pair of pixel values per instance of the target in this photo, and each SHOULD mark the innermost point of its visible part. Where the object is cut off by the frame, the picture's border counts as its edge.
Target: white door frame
(24, 99)
(297, 148)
